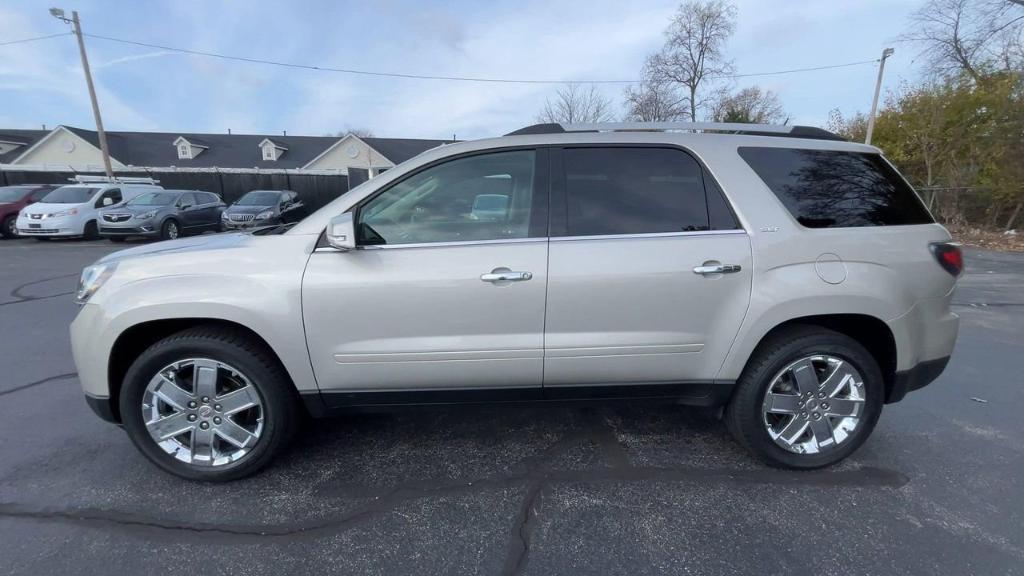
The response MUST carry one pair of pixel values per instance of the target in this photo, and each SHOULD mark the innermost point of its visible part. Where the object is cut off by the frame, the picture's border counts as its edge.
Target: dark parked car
(167, 214)
(13, 199)
(263, 207)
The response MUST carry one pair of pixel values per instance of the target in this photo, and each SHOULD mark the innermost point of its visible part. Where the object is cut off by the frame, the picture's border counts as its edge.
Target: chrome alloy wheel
(202, 412)
(814, 404)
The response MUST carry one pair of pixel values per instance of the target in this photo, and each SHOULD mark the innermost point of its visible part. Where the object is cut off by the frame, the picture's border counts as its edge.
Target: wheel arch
(134, 340)
(870, 331)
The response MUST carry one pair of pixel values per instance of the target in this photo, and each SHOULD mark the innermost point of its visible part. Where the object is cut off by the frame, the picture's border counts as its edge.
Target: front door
(441, 294)
(649, 273)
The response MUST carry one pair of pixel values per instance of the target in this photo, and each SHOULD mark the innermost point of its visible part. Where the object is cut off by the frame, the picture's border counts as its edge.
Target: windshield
(13, 193)
(259, 199)
(153, 199)
(70, 195)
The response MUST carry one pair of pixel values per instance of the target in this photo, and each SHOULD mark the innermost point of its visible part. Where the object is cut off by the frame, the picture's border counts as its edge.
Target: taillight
(949, 256)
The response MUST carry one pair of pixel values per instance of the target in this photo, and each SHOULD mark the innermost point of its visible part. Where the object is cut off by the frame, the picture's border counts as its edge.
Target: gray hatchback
(166, 214)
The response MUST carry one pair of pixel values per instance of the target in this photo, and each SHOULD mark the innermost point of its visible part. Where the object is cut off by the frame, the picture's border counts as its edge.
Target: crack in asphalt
(19, 297)
(38, 382)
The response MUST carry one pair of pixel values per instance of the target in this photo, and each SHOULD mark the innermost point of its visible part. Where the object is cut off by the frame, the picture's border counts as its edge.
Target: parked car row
(94, 208)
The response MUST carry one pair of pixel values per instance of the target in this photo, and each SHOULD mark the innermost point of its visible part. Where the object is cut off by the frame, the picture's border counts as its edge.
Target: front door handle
(505, 275)
(707, 268)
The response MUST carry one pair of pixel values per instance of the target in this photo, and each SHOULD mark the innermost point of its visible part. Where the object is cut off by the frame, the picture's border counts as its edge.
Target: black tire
(116, 238)
(91, 231)
(9, 227)
(281, 413)
(743, 415)
(170, 229)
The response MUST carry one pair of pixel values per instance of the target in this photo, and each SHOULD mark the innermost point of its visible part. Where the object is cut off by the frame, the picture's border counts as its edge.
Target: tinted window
(113, 194)
(187, 199)
(260, 198)
(210, 197)
(13, 193)
(485, 197)
(39, 194)
(830, 189)
(633, 191)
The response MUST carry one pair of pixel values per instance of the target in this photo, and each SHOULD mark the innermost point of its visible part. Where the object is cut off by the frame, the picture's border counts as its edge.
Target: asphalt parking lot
(532, 490)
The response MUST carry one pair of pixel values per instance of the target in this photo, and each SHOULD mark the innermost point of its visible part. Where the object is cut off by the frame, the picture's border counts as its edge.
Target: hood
(192, 244)
(44, 208)
(236, 209)
(125, 209)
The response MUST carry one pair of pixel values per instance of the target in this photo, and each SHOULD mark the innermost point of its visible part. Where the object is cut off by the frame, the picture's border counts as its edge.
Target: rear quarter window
(835, 189)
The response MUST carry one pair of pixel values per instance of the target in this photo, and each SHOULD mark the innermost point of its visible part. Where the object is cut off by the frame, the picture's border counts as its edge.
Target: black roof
(239, 150)
(26, 137)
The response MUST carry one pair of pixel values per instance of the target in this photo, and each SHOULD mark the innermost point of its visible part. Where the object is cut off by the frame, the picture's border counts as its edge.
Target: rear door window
(834, 189)
(638, 190)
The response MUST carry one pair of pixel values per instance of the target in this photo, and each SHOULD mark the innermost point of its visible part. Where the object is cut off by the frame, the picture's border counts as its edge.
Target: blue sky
(147, 89)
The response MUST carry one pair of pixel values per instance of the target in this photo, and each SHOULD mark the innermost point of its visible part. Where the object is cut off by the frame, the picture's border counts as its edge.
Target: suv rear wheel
(208, 404)
(808, 398)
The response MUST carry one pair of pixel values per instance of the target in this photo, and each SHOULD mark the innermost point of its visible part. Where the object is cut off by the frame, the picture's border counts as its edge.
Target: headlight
(145, 216)
(92, 278)
(223, 215)
(265, 214)
(70, 212)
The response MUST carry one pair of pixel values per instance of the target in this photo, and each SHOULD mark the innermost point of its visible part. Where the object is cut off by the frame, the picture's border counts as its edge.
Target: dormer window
(188, 149)
(271, 150)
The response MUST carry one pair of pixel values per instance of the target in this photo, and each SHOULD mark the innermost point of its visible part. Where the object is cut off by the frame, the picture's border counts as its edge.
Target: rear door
(649, 273)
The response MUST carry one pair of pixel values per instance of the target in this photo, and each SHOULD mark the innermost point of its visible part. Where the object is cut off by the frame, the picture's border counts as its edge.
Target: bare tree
(694, 51)
(355, 131)
(968, 36)
(654, 100)
(574, 103)
(750, 105)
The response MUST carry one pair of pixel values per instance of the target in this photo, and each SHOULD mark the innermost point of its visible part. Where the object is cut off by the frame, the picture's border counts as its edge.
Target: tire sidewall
(9, 227)
(165, 229)
(147, 365)
(749, 401)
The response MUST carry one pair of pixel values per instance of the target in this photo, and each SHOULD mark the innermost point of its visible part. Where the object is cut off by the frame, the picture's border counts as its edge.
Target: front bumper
(135, 229)
(62, 226)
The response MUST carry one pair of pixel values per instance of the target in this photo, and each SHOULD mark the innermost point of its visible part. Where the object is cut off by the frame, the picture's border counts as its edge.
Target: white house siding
(337, 157)
(55, 150)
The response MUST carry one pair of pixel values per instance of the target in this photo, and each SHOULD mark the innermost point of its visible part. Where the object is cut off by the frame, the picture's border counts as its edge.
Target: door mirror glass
(341, 233)
(108, 201)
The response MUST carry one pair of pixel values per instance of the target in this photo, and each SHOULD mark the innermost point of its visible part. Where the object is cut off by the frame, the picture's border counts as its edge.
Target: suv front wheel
(808, 398)
(208, 403)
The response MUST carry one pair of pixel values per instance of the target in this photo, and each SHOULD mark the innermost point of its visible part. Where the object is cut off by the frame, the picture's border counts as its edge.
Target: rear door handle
(505, 275)
(706, 269)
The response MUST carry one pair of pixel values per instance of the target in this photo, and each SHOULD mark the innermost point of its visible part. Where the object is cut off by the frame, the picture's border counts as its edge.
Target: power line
(432, 77)
(23, 40)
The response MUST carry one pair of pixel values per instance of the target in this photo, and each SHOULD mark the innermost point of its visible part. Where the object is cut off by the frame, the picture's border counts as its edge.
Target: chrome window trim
(439, 244)
(647, 235)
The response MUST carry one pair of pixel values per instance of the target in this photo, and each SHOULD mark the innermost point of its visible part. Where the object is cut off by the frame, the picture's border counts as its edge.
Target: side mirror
(341, 232)
(108, 201)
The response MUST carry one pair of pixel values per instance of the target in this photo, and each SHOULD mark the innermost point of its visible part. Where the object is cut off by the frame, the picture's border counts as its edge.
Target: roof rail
(729, 127)
(87, 179)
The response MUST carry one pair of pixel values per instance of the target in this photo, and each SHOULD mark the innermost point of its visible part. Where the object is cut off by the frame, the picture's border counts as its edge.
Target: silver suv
(794, 279)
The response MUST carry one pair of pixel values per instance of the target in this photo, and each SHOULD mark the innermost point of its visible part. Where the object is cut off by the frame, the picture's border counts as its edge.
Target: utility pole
(101, 134)
(878, 88)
